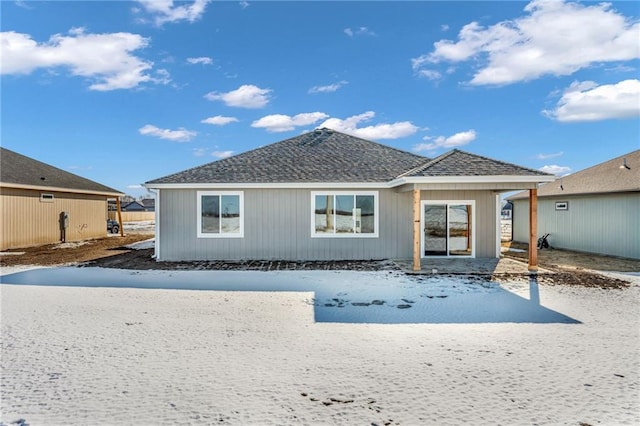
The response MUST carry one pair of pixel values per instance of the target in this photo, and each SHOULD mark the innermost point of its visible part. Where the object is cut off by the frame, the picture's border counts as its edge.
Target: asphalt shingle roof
(325, 155)
(317, 156)
(19, 169)
(608, 177)
(461, 163)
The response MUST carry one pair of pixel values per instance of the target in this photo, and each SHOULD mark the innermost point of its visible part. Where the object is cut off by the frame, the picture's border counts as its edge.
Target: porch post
(416, 229)
(533, 230)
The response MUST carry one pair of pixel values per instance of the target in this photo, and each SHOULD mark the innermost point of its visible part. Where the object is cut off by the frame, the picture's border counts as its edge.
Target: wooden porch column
(119, 216)
(416, 229)
(533, 230)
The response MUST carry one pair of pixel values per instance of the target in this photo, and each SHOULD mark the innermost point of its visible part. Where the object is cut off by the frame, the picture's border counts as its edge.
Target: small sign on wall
(562, 205)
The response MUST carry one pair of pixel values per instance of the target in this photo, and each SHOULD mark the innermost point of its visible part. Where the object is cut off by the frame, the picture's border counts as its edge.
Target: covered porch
(436, 241)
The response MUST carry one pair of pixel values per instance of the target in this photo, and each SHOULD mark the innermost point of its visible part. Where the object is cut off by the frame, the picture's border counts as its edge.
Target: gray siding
(277, 225)
(605, 224)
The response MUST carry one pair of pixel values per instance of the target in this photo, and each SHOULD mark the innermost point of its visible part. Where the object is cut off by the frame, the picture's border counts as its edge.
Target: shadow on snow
(339, 296)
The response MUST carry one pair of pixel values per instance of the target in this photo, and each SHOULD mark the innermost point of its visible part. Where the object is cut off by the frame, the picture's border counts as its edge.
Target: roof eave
(472, 179)
(57, 189)
(387, 184)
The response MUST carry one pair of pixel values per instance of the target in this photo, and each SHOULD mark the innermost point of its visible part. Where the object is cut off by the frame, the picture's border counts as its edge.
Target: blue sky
(126, 92)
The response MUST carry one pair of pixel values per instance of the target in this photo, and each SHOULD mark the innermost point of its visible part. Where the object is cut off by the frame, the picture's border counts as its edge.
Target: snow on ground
(98, 346)
(141, 245)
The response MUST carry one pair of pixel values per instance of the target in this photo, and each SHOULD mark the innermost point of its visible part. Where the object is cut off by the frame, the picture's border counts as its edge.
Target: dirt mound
(71, 252)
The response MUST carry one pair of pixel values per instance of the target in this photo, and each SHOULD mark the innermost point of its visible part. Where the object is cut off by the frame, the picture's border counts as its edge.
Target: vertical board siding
(605, 224)
(277, 226)
(27, 221)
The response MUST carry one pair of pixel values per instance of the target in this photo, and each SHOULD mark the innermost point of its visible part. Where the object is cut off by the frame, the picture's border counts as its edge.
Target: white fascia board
(283, 185)
(356, 185)
(471, 179)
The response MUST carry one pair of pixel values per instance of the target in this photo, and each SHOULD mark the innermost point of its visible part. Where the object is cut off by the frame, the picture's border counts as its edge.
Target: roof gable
(608, 177)
(18, 169)
(322, 155)
(461, 163)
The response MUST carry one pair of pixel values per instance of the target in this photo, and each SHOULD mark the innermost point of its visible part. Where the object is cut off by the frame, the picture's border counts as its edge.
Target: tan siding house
(326, 195)
(41, 204)
(596, 210)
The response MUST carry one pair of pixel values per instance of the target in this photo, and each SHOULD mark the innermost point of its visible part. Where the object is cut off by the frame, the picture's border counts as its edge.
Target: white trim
(498, 226)
(201, 234)
(278, 185)
(358, 185)
(376, 215)
(156, 242)
(447, 203)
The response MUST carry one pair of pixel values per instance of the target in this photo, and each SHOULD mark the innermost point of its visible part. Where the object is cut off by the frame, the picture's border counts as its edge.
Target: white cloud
(204, 60)
(283, 123)
(585, 101)
(106, 59)
(222, 154)
(349, 125)
(164, 11)
(135, 186)
(548, 156)
(245, 96)
(244, 4)
(219, 120)
(180, 135)
(199, 152)
(329, 88)
(551, 38)
(555, 170)
(361, 31)
(459, 139)
(430, 74)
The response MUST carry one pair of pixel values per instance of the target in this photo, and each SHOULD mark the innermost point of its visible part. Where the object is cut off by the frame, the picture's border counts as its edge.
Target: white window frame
(201, 234)
(447, 203)
(376, 218)
(46, 197)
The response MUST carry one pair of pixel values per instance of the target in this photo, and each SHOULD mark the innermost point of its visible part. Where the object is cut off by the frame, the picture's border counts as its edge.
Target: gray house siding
(604, 224)
(277, 225)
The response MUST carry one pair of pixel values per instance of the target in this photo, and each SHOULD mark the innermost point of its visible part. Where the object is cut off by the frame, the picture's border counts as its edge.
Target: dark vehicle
(543, 242)
(113, 226)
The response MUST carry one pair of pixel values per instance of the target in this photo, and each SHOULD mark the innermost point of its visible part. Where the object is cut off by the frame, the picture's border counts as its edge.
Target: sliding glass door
(447, 228)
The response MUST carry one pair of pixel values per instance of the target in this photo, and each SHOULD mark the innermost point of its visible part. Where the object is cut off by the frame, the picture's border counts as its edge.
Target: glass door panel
(435, 230)
(460, 230)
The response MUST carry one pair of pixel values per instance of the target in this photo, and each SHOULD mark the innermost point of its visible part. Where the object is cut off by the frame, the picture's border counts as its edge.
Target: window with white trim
(344, 214)
(220, 214)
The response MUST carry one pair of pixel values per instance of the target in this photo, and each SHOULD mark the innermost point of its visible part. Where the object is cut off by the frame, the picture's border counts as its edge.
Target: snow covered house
(595, 210)
(325, 195)
(41, 204)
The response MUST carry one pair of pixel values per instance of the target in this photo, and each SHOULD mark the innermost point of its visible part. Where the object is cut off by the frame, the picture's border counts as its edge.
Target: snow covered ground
(104, 346)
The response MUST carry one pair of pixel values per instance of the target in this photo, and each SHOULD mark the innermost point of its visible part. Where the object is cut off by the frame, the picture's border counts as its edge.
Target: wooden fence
(133, 216)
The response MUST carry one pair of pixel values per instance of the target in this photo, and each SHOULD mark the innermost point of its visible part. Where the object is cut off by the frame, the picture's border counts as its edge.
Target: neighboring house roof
(608, 177)
(325, 155)
(133, 206)
(148, 203)
(17, 170)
